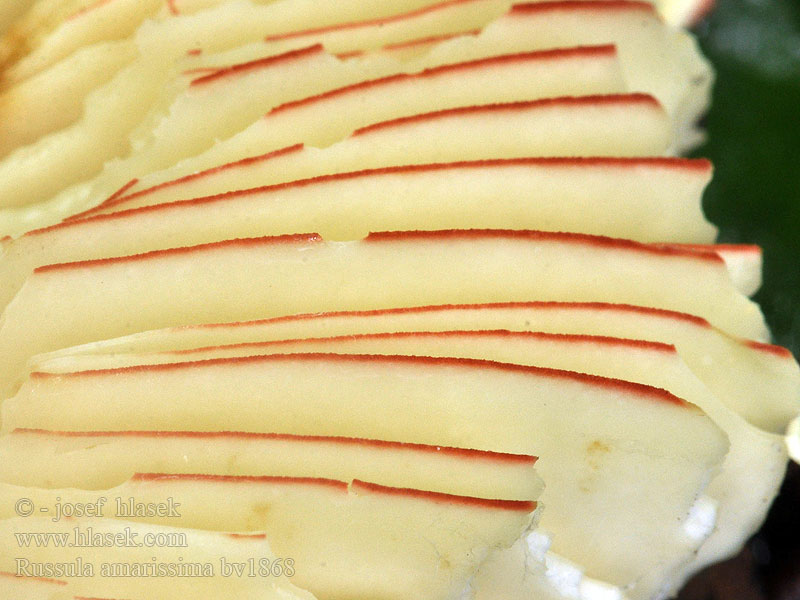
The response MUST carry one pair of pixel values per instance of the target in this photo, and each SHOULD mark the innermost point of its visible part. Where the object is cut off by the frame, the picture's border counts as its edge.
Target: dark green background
(754, 142)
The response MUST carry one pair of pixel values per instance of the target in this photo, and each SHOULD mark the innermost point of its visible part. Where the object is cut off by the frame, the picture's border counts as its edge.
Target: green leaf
(754, 142)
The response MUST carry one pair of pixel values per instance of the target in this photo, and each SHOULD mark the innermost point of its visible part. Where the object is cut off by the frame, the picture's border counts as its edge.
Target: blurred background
(754, 142)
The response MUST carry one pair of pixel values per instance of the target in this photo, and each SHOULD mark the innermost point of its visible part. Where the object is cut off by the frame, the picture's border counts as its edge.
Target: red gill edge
(368, 23)
(657, 394)
(474, 333)
(490, 456)
(564, 101)
(443, 498)
(260, 63)
(404, 236)
(606, 50)
(698, 165)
